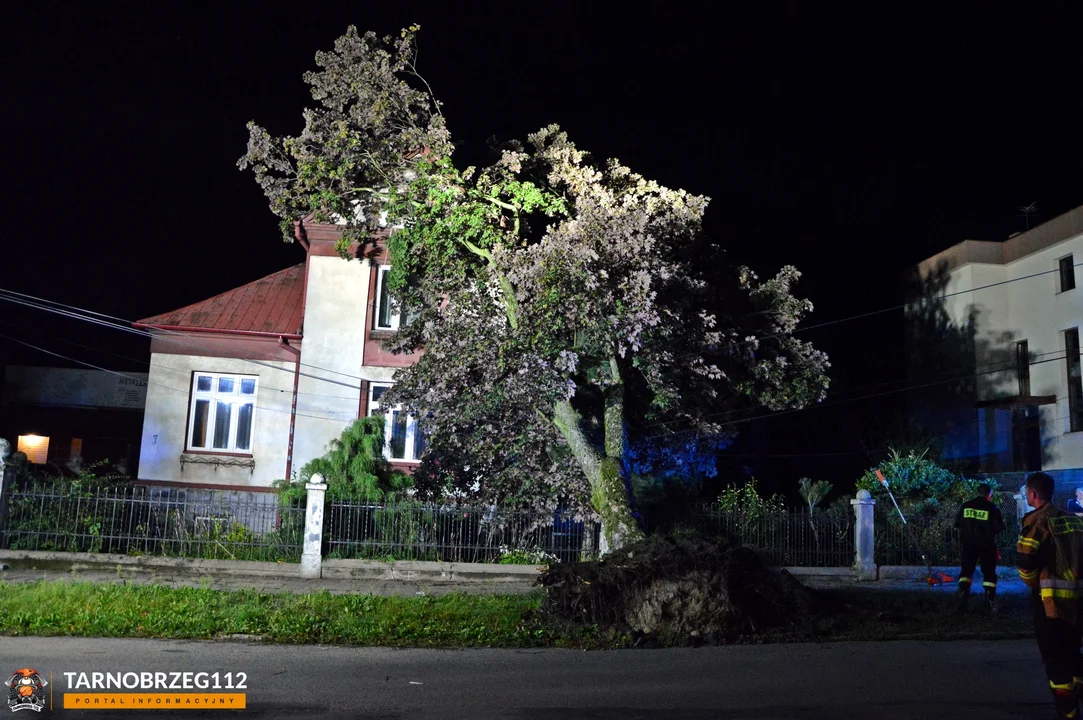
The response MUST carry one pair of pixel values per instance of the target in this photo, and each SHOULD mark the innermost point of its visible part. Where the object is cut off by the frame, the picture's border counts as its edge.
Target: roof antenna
(1028, 210)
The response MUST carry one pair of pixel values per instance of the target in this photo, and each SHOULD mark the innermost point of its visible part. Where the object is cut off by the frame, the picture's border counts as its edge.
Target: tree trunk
(608, 492)
(815, 534)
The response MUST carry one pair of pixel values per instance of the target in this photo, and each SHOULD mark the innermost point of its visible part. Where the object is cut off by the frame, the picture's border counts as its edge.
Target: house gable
(272, 305)
(251, 321)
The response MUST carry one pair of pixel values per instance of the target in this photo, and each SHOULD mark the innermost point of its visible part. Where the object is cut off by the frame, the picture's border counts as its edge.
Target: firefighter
(979, 522)
(1050, 550)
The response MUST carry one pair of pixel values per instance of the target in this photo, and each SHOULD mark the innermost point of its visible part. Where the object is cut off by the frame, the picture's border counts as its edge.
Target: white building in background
(1026, 306)
(246, 387)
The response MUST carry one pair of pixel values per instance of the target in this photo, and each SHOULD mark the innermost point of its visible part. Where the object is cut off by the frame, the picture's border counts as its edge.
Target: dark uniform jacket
(1050, 560)
(979, 522)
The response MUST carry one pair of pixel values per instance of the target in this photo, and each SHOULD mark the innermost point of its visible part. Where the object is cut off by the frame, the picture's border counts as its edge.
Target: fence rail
(934, 530)
(74, 516)
(415, 531)
(140, 520)
(793, 538)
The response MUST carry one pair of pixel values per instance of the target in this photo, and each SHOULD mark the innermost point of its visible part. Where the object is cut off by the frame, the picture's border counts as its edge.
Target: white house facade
(1024, 298)
(246, 387)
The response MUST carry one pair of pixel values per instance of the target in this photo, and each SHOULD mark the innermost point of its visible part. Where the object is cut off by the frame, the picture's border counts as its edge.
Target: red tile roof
(272, 305)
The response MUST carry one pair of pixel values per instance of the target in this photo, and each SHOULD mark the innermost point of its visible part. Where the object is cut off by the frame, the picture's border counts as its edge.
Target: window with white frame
(387, 316)
(389, 312)
(403, 439)
(221, 414)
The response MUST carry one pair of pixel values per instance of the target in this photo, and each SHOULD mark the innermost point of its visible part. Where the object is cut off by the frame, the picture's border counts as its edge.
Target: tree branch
(566, 420)
(428, 88)
(480, 252)
(511, 305)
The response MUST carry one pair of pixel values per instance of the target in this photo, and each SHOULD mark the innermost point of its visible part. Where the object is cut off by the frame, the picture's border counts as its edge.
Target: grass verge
(151, 611)
(113, 610)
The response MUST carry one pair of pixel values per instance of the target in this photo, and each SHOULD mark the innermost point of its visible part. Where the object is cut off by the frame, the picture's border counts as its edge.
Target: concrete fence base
(821, 572)
(416, 570)
(484, 577)
(369, 570)
(66, 561)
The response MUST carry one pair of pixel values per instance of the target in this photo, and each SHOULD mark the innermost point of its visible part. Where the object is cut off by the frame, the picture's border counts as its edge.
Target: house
(1007, 314)
(74, 417)
(247, 386)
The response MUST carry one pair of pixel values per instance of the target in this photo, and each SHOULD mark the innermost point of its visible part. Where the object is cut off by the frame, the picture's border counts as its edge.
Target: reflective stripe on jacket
(1050, 561)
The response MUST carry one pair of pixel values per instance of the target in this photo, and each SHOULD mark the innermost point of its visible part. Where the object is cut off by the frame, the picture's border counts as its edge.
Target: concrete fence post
(312, 556)
(5, 485)
(864, 535)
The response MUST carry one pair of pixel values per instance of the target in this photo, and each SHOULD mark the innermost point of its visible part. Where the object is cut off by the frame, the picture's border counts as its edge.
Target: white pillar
(312, 557)
(1022, 507)
(5, 451)
(864, 535)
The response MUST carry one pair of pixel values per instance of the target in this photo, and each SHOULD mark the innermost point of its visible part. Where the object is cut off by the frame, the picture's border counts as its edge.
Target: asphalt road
(885, 681)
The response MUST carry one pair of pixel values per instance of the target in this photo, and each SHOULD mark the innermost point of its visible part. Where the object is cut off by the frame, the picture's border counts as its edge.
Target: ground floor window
(222, 411)
(403, 439)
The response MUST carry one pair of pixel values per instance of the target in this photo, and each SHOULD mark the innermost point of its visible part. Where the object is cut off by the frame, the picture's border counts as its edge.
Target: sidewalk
(900, 578)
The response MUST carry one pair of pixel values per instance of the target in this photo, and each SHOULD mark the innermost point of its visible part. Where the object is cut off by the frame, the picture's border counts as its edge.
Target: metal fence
(790, 538)
(74, 516)
(71, 516)
(416, 531)
(933, 527)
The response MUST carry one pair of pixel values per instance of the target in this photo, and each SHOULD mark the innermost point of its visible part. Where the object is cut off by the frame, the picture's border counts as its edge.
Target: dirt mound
(679, 590)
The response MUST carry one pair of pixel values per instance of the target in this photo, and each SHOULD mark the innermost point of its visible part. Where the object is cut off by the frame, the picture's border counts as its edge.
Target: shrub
(748, 516)
(58, 512)
(813, 493)
(746, 499)
(525, 557)
(354, 467)
(918, 481)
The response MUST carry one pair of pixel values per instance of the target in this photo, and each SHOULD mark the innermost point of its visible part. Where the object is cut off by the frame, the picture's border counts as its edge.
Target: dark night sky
(848, 140)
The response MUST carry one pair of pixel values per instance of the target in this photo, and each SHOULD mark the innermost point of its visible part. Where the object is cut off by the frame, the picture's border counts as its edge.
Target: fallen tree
(677, 590)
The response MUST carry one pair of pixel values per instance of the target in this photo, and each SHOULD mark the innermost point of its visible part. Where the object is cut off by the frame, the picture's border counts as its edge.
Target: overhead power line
(177, 339)
(185, 390)
(121, 324)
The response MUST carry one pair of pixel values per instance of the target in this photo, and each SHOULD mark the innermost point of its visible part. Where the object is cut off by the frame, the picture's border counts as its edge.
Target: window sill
(218, 460)
(380, 335)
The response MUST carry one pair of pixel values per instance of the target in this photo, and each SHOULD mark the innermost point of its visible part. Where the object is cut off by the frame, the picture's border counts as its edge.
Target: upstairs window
(1075, 380)
(389, 312)
(1067, 274)
(221, 414)
(387, 315)
(1022, 367)
(403, 439)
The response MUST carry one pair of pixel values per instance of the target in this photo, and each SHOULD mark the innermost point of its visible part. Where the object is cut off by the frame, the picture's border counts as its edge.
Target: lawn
(116, 610)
